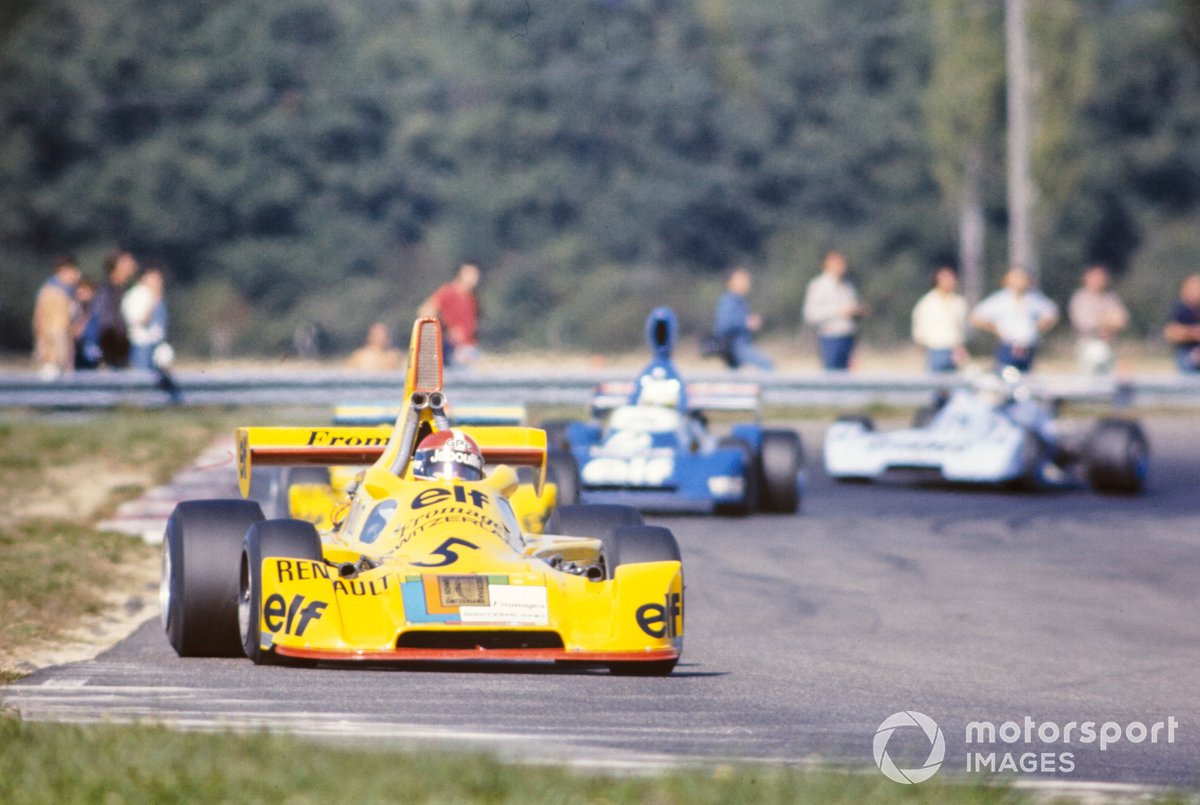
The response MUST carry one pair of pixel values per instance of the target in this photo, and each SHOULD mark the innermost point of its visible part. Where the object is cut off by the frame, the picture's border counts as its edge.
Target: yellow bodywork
(416, 569)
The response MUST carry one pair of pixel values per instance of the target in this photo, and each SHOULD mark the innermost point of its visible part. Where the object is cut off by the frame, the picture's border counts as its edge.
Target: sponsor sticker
(457, 591)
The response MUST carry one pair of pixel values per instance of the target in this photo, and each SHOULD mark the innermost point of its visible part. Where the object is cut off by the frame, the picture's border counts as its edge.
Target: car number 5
(446, 551)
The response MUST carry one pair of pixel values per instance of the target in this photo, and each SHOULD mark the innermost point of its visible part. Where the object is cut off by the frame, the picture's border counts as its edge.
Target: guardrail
(295, 386)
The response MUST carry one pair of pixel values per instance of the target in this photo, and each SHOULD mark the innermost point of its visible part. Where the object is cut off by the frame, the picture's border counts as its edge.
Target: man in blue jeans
(1183, 330)
(1018, 315)
(736, 324)
(831, 306)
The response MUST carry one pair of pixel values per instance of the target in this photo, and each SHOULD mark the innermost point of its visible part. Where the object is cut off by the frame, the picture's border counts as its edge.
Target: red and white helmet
(448, 454)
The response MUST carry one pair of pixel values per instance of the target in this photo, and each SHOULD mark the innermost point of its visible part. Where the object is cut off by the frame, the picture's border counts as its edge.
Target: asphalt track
(802, 635)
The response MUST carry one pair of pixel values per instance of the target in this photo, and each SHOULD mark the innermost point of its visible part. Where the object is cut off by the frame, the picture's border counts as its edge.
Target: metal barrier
(316, 386)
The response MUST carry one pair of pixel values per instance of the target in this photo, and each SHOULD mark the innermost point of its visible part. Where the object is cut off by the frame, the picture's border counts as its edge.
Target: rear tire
(293, 539)
(780, 459)
(563, 471)
(591, 519)
(556, 434)
(750, 478)
(630, 545)
(199, 587)
(1116, 457)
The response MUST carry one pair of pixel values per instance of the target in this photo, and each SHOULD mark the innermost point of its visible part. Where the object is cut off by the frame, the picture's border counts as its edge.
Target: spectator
(735, 324)
(1018, 315)
(111, 335)
(1183, 329)
(1097, 314)
(145, 314)
(377, 354)
(831, 306)
(87, 352)
(939, 323)
(457, 305)
(53, 348)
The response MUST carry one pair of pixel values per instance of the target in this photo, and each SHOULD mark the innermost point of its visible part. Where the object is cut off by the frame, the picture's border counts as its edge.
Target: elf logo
(661, 620)
(291, 618)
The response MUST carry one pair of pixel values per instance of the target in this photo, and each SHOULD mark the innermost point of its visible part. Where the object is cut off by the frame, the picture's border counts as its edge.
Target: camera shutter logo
(937, 749)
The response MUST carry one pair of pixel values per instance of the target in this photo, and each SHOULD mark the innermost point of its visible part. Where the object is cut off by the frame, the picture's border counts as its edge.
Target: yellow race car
(425, 560)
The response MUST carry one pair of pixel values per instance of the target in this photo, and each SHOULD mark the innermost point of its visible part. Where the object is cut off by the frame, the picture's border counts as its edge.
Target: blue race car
(649, 444)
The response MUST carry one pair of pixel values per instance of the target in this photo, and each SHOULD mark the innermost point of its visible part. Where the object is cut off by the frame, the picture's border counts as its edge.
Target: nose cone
(661, 329)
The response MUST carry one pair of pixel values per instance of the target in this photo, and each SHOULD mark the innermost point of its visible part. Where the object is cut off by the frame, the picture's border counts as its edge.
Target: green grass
(135, 764)
(61, 475)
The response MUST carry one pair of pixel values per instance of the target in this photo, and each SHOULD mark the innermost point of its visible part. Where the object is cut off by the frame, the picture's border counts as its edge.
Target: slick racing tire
(556, 434)
(591, 520)
(631, 545)
(293, 539)
(563, 471)
(750, 478)
(1116, 457)
(198, 592)
(780, 460)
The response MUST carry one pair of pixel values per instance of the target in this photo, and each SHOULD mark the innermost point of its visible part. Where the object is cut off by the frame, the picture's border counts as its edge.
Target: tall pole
(1020, 191)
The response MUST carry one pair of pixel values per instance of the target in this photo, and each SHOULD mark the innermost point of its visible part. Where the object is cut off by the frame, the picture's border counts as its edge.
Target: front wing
(396, 615)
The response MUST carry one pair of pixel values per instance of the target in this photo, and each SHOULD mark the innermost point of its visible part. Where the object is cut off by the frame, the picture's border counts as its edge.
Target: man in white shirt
(1018, 315)
(1097, 314)
(831, 307)
(939, 323)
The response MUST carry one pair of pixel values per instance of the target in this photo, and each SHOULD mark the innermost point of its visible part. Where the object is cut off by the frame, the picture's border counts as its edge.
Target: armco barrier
(314, 386)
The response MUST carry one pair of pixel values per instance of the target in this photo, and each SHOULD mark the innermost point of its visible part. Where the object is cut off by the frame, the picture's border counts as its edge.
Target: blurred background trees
(294, 162)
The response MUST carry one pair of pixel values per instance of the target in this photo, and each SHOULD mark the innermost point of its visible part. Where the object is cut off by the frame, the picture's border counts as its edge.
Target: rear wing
(713, 396)
(359, 446)
(461, 414)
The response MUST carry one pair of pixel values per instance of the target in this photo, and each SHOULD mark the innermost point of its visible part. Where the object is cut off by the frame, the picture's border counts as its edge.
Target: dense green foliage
(295, 161)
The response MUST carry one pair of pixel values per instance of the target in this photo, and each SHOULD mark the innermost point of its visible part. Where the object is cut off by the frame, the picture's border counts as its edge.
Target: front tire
(750, 478)
(631, 545)
(199, 587)
(1117, 457)
(780, 459)
(293, 539)
(563, 471)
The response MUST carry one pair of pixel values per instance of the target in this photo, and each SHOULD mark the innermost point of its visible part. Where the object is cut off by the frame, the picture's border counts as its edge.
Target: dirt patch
(120, 614)
(78, 491)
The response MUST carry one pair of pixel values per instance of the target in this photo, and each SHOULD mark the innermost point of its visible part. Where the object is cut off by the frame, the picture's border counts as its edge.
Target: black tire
(862, 419)
(629, 545)
(780, 459)
(591, 520)
(1116, 457)
(750, 478)
(199, 588)
(556, 434)
(563, 471)
(268, 490)
(294, 539)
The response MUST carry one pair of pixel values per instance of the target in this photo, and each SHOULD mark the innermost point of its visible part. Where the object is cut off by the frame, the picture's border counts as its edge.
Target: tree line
(293, 162)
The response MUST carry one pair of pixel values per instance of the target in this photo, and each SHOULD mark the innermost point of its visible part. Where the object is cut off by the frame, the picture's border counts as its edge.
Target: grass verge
(60, 475)
(133, 764)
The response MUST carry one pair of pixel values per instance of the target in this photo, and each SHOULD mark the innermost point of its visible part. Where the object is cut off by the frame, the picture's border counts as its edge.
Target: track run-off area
(803, 634)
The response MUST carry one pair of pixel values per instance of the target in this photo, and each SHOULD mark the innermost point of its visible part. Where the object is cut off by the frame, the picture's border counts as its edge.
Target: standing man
(53, 311)
(831, 306)
(735, 324)
(1097, 314)
(1183, 329)
(457, 305)
(1018, 315)
(939, 323)
(111, 334)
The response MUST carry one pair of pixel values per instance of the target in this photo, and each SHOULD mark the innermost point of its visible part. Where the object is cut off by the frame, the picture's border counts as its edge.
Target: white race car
(997, 432)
